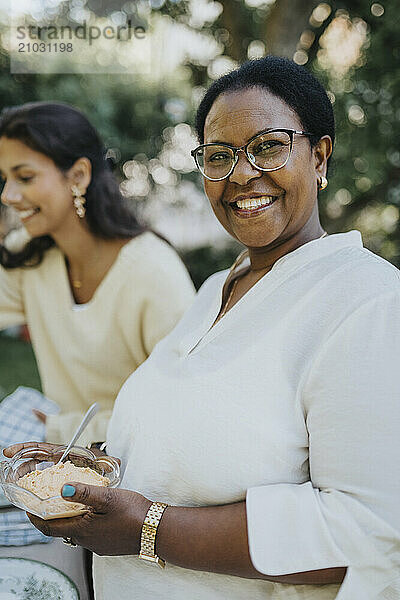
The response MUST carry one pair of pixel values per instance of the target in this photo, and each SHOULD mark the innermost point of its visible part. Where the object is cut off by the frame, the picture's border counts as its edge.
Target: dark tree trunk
(236, 18)
(285, 24)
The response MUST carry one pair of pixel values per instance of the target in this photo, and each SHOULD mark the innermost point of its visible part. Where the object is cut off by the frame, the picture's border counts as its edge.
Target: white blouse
(292, 402)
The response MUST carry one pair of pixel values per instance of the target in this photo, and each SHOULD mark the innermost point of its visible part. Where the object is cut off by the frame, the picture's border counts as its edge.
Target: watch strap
(149, 532)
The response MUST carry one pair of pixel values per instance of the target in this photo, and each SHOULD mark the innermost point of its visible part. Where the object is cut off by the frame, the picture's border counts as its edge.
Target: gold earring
(322, 183)
(79, 201)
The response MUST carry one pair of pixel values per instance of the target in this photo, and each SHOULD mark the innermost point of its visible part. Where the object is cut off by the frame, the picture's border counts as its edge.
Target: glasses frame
(237, 149)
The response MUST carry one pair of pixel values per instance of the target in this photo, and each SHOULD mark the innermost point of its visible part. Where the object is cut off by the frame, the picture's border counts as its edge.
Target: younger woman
(96, 289)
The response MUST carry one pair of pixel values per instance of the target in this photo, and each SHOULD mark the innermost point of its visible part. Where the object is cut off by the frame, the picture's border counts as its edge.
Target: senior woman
(261, 435)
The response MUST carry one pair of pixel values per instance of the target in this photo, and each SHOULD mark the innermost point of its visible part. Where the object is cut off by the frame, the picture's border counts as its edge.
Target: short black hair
(288, 81)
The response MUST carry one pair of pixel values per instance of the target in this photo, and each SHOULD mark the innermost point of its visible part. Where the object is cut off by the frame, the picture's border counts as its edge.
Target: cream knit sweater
(85, 355)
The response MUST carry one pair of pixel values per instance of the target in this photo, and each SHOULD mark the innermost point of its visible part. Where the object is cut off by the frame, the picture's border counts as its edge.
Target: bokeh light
(377, 9)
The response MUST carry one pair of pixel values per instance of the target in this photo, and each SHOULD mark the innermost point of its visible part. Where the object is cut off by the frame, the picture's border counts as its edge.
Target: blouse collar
(314, 249)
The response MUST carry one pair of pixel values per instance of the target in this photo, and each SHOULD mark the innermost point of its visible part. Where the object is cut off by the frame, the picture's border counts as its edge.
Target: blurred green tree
(351, 45)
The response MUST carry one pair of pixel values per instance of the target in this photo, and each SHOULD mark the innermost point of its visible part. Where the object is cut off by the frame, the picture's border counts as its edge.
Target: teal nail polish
(68, 491)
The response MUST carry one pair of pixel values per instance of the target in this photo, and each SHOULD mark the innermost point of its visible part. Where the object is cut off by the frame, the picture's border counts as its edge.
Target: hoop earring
(79, 201)
(322, 183)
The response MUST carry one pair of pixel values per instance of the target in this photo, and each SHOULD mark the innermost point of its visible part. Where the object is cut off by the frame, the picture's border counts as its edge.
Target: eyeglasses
(266, 151)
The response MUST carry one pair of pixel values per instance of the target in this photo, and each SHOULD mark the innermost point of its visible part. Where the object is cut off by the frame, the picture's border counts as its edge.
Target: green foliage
(17, 366)
(204, 261)
(366, 161)
(130, 113)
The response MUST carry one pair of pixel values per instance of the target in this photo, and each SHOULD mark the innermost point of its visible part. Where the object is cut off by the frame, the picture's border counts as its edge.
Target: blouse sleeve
(11, 304)
(348, 514)
(61, 428)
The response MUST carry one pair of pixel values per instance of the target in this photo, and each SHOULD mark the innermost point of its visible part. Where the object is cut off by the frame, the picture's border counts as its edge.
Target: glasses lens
(270, 150)
(215, 161)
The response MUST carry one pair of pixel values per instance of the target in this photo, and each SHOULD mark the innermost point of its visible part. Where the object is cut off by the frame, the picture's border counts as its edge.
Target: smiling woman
(259, 441)
(265, 197)
(97, 289)
(84, 281)
(36, 188)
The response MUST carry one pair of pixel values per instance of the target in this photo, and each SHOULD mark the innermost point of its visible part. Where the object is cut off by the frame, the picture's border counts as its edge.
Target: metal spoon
(88, 417)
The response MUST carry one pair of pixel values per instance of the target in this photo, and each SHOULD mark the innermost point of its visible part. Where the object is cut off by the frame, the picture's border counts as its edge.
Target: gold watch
(149, 532)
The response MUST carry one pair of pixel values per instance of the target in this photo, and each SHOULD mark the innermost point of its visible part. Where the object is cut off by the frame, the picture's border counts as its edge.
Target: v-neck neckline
(279, 272)
(103, 283)
(214, 328)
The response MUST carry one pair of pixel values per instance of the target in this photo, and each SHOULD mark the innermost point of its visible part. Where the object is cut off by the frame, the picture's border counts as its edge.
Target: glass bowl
(36, 458)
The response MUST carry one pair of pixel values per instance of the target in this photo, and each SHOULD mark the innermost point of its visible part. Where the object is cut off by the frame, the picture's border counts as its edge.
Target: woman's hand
(113, 525)
(11, 450)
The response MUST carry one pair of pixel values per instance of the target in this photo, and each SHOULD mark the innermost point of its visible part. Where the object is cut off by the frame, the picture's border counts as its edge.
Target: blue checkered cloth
(17, 530)
(19, 424)
(17, 421)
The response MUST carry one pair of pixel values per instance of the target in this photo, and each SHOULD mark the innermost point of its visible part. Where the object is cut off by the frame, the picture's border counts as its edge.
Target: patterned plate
(23, 579)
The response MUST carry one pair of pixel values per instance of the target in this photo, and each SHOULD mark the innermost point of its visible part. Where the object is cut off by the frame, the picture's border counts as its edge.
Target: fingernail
(68, 491)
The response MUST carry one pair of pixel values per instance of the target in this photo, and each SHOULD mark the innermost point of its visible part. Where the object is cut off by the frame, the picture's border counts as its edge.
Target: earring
(322, 183)
(79, 201)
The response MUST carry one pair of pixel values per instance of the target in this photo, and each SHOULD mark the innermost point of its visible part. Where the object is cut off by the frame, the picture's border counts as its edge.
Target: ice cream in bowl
(33, 478)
